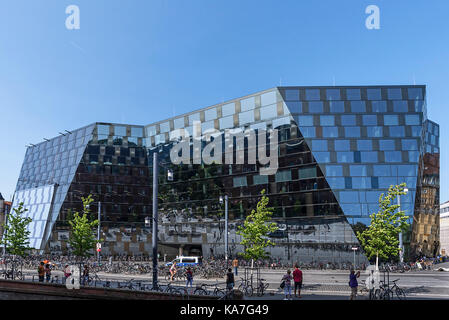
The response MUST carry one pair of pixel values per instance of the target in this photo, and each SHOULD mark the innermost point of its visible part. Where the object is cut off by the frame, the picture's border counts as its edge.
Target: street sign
(354, 248)
(98, 246)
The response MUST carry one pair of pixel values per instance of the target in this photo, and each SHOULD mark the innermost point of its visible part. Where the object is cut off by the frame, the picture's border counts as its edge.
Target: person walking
(67, 272)
(189, 276)
(230, 280)
(287, 285)
(353, 284)
(86, 274)
(235, 264)
(41, 271)
(173, 271)
(297, 278)
(47, 272)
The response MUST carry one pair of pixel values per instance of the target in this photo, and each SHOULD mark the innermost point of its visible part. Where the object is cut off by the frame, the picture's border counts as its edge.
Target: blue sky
(142, 61)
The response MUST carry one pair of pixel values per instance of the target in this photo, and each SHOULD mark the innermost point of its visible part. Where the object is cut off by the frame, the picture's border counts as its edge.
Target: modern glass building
(338, 149)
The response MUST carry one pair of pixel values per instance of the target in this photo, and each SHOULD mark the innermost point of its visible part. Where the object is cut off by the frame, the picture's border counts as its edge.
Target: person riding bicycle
(173, 270)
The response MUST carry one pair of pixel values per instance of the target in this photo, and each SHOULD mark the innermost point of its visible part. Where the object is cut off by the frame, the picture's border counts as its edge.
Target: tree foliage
(381, 237)
(16, 233)
(83, 236)
(255, 230)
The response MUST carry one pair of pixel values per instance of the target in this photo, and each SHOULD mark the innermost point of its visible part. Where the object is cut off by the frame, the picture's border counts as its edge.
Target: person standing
(47, 272)
(235, 264)
(189, 276)
(86, 275)
(297, 278)
(41, 272)
(287, 281)
(353, 284)
(230, 280)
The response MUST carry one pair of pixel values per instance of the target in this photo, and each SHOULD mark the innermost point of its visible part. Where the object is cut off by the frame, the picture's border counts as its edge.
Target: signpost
(354, 249)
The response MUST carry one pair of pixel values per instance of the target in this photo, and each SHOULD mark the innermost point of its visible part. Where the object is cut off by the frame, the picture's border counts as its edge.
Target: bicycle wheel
(377, 294)
(249, 291)
(400, 294)
(387, 295)
(219, 292)
(200, 292)
(260, 291)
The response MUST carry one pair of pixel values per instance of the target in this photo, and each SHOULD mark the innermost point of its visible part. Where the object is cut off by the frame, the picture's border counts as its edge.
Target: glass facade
(339, 149)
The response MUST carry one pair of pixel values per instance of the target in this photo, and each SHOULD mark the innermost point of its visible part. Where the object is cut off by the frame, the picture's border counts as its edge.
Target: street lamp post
(98, 235)
(226, 226)
(401, 246)
(155, 218)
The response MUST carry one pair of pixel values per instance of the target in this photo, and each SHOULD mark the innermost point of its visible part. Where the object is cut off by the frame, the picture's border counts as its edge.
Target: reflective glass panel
(387, 145)
(268, 98)
(391, 120)
(316, 107)
(394, 93)
(348, 120)
(228, 109)
(337, 106)
(327, 120)
(374, 94)
(369, 120)
(291, 94)
(415, 94)
(333, 94)
(312, 94)
(120, 130)
(353, 94)
(342, 145)
(352, 132)
(247, 104)
(364, 145)
(400, 106)
(358, 106)
(379, 106)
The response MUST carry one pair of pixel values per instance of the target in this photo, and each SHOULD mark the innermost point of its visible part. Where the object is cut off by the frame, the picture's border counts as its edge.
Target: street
(317, 284)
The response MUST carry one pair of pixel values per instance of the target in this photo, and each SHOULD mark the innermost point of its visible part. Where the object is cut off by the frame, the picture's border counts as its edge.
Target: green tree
(16, 234)
(380, 239)
(255, 230)
(83, 235)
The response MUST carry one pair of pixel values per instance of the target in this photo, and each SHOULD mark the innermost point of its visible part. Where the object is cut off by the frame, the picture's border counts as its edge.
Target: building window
(379, 106)
(333, 94)
(370, 120)
(358, 106)
(337, 106)
(348, 120)
(394, 93)
(391, 120)
(365, 145)
(342, 145)
(353, 94)
(374, 94)
(327, 120)
(312, 94)
(316, 107)
(291, 94)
